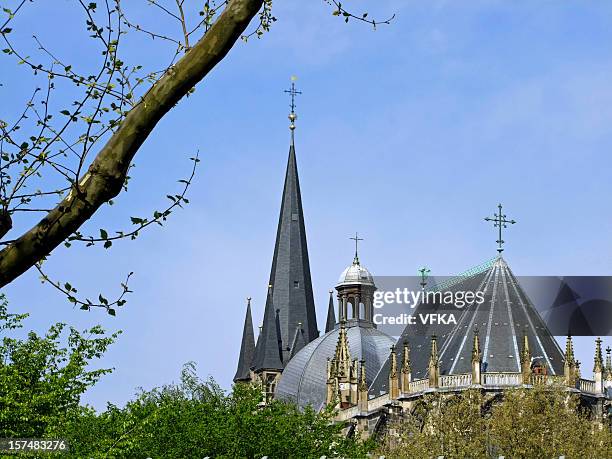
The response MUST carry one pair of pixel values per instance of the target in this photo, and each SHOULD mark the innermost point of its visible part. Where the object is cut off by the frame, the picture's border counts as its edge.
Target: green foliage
(42, 378)
(196, 419)
(543, 421)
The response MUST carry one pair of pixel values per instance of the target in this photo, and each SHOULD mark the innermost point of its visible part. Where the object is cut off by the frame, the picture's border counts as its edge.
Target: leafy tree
(42, 378)
(63, 158)
(196, 419)
(445, 425)
(543, 421)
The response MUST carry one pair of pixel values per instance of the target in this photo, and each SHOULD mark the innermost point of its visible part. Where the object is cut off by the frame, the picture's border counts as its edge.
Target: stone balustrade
(586, 385)
(419, 385)
(502, 379)
(453, 381)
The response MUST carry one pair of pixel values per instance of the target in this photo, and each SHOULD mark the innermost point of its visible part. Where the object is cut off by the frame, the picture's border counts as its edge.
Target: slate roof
(501, 320)
(247, 348)
(331, 315)
(291, 286)
(267, 352)
(304, 380)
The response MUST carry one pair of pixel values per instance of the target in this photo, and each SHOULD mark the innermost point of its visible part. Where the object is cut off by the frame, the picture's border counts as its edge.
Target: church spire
(331, 316)
(290, 275)
(247, 348)
(268, 355)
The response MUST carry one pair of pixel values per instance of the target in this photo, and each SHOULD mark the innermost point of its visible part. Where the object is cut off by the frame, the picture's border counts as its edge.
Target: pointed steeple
(247, 348)
(298, 341)
(609, 363)
(290, 274)
(526, 359)
(406, 376)
(434, 363)
(598, 365)
(331, 316)
(569, 362)
(342, 356)
(268, 355)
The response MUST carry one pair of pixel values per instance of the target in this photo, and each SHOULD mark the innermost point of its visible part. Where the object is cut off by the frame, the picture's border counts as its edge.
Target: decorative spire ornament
(406, 368)
(526, 360)
(434, 363)
(424, 272)
(569, 366)
(500, 221)
(598, 364)
(356, 239)
(393, 375)
(476, 359)
(292, 115)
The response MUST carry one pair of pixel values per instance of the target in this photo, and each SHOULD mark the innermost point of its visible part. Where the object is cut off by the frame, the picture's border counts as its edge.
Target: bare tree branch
(106, 175)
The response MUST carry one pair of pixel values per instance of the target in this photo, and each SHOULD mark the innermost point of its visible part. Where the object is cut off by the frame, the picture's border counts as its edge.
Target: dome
(304, 379)
(356, 274)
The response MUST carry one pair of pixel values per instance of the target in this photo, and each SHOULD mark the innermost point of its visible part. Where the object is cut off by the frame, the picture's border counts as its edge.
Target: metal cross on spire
(500, 221)
(356, 239)
(293, 92)
(424, 271)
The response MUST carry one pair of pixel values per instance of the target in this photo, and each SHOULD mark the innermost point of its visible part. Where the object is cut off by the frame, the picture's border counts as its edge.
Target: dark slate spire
(331, 316)
(247, 348)
(268, 354)
(298, 341)
(290, 275)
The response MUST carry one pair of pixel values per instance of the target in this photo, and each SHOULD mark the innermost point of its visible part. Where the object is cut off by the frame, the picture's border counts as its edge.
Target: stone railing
(546, 379)
(452, 381)
(419, 385)
(586, 385)
(502, 379)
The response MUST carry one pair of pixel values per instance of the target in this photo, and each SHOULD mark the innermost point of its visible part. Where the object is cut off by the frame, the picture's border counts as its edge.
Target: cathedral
(372, 377)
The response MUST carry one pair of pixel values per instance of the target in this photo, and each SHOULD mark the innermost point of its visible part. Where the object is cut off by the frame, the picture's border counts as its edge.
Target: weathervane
(293, 92)
(356, 239)
(500, 222)
(424, 271)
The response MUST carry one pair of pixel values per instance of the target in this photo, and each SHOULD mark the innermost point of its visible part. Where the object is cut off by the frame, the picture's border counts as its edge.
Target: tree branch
(106, 175)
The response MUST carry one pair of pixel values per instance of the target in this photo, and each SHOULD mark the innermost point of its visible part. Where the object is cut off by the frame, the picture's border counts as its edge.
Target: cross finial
(424, 271)
(293, 92)
(500, 221)
(356, 239)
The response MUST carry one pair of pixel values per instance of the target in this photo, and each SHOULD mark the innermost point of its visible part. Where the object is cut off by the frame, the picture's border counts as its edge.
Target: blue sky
(410, 135)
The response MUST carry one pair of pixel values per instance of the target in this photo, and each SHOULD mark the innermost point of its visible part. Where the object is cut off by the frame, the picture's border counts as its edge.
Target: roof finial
(500, 222)
(292, 116)
(424, 271)
(356, 239)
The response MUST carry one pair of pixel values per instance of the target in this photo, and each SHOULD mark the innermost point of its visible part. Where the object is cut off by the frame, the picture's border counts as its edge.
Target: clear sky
(410, 135)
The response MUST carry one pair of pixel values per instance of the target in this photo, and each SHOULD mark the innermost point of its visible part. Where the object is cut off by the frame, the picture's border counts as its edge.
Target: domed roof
(356, 274)
(304, 380)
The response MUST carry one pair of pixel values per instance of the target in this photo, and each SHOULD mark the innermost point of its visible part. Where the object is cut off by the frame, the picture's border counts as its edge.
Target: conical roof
(247, 348)
(502, 319)
(331, 316)
(267, 353)
(290, 275)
